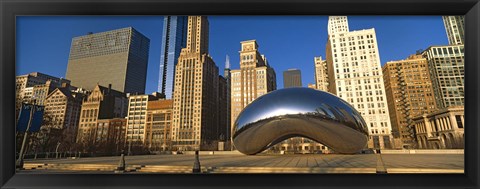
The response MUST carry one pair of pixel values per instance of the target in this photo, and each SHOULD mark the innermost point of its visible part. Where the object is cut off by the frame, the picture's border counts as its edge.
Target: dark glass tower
(173, 40)
(117, 57)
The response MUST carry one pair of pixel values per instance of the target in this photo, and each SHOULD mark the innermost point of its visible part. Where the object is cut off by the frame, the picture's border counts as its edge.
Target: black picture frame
(9, 9)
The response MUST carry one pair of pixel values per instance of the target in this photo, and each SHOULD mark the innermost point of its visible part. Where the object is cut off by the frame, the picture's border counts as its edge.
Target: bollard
(121, 164)
(35, 156)
(196, 164)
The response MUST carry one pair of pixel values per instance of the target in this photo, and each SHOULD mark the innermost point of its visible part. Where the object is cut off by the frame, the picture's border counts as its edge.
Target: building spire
(227, 62)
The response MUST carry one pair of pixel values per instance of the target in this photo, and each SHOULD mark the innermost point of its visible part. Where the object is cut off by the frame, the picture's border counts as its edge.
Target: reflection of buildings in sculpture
(409, 94)
(447, 72)
(195, 105)
(455, 28)
(136, 117)
(254, 78)
(441, 129)
(159, 125)
(354, 73)
(102, 103)
(321, 74)
(299, 112)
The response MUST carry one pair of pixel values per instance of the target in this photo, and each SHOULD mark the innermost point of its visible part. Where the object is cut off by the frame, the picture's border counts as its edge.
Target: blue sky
(43, 42)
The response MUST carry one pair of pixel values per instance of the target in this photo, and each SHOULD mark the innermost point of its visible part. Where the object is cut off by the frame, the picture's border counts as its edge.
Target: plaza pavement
(261, 163)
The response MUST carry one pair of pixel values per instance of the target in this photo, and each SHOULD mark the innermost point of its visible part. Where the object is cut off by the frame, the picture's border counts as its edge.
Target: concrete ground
(394, 163)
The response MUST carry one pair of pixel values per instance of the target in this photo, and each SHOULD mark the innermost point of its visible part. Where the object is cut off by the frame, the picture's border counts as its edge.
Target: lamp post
(19, 162)
(56, 149)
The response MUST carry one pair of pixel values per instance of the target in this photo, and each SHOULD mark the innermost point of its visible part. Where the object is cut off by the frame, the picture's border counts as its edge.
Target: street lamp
(56, 149)
(19, 162)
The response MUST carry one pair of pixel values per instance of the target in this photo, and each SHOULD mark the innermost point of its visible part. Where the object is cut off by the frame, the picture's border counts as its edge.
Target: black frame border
(9, 9)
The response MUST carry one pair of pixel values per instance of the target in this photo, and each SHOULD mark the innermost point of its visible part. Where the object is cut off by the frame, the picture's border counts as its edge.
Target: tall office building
(447, 71)
(355, 75)
(292, 78)
(196, 91)
(174, 38)
(228, 76)
(455, 28)
(321, 74)
(223, 115)
(409, 94)
(118, 57)
(254, 78)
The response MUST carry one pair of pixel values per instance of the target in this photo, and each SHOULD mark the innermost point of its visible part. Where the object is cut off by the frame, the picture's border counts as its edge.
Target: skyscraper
(292, 78)
(117, 57)
(409, 94)
(254, 78)
(196, 91)
(174, 38)
(455, 28)
(321, 74)
(447, 71)
(228, 77)
(355, 75)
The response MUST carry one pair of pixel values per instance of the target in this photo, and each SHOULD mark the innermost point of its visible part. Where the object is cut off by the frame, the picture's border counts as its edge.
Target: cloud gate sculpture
(302, 112)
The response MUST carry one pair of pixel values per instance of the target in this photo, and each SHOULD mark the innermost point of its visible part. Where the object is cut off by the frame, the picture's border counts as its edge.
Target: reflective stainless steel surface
(304, 112)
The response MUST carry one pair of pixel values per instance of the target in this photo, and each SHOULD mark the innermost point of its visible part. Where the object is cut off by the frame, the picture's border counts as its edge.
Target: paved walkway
(313, 163)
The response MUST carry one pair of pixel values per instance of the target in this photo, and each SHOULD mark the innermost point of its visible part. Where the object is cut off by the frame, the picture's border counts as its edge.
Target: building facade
(228, 77)
(102, 103)
(254, 78)
(292, 78)
(24, 87)
(118, 57)
(137, 118)
(355, 75)
(195, 96)
(409, 94)
(62, 107)
(441, 129)
(455, 28)
(109, 134)
(321, 74)
(174, 38)
(447, 71)
(159, 125)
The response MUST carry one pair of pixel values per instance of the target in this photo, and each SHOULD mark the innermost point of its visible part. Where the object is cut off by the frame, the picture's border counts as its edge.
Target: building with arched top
(442, 129)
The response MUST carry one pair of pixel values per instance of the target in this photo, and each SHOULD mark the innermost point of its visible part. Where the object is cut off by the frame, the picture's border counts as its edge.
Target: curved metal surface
(303, 112)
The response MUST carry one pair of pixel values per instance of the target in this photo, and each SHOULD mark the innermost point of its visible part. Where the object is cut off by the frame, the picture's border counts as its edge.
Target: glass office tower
(173, 40)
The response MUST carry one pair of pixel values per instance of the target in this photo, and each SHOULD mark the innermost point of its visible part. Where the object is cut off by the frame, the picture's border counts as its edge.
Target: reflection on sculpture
(302, 112)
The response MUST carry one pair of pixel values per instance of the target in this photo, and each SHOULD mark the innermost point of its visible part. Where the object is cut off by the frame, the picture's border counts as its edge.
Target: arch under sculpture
(303, 112)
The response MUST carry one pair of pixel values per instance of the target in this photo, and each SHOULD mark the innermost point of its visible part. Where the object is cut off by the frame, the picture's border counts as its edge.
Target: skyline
(47, 40)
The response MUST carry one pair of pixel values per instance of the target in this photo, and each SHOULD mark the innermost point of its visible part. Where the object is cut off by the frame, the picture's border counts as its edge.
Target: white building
(355, 75)
(454, 26)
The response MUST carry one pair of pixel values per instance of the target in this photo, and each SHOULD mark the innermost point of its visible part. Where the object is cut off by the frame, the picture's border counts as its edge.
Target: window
(459, 121)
